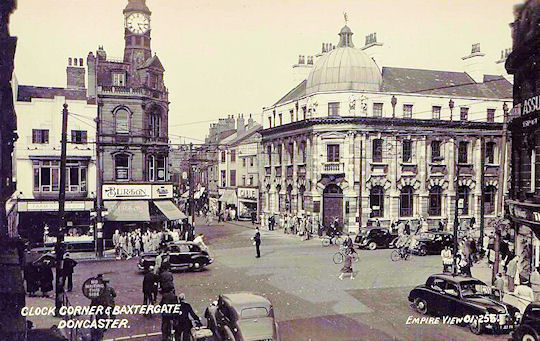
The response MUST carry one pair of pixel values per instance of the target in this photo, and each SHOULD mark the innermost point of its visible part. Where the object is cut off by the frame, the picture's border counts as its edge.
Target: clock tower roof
(137, 6)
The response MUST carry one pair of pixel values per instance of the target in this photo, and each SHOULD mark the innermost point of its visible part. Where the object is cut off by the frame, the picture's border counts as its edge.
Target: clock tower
(137, 33)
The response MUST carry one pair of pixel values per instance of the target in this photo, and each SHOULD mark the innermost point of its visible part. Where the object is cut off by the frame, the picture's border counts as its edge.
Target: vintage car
(431, 243)
(183, 255)
(529, 326)
(242, 317)
(375, 237)
(462, 298)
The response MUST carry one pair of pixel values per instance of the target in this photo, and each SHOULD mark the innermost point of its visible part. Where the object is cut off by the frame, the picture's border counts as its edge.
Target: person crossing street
(257, 242)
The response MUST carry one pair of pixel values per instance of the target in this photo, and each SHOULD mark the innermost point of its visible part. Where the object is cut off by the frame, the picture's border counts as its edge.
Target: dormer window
(154, 80)
(119, 78)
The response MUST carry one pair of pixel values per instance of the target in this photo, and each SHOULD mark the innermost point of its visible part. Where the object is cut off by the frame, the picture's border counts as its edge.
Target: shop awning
(127, 210)
(169, 209)
(229, 197)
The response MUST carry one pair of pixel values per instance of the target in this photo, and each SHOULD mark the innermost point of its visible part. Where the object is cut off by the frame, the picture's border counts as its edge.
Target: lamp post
(393, 101)
(451, 106)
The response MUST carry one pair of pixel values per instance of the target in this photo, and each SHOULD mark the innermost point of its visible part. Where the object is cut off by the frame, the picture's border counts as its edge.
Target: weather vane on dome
(345, 17)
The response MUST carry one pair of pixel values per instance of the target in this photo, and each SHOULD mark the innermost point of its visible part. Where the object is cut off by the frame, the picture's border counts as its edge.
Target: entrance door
(333, 205)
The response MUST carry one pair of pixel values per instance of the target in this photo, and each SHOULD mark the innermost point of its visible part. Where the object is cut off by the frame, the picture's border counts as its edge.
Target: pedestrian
(447, 259)
(166, 279)
(45, 278)
(69, 266)
(150, 284)
(167, 317)
(535, 284)
(347, 268)
(272, 222)
(253, 217)
(407, 229)
(499, 285)
(441, 226)
(183, 322)
(108, 297)
(199, 240)
(31, 276)
(116, 243)
(511, 271)
(464, 265)
(257, 242)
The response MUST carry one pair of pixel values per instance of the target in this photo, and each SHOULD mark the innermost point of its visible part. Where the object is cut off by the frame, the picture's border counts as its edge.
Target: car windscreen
(469, 289)
(249, 313)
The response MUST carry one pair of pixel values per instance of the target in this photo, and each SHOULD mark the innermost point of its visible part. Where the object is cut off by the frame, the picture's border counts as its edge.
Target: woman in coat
(45, 278)
(31, 276)
(347, 267)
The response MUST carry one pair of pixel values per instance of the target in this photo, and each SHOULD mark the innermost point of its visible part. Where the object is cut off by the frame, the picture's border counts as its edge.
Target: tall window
(279, 153)
(435, 201)
(376, 201)
(377, 109)
(333, 109)
(233, 155)
(269, 154)
(436, 151)
(78, 136)
(232, 177)
(407, 110)
(157, 170)
(251, 161)
(40, 136)
(490, 152)
(407, 150)
(406, 201)
(280, 119)
(155, 124)
(304, 111)
(244, 162)
(463, 155)
(464, 113)
(303, 151)
(490, 194)
(223, 178)
(121, 166)
(377, 150)
(243, 180)
(119, 78)
(463, 199)
(223, 156)
(122, 121)
(491, 115)
(436, 112)
(292, 115)
(332, 153)
(269, 122)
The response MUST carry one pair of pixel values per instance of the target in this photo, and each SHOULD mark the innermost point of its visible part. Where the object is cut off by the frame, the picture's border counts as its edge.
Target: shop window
(407, 150)
(376, 202)
(463, 199)
(406, 200)
(377, 150)
(121, 166)
(490, 193)
(332, 153)
(40, 136)
(435, 201)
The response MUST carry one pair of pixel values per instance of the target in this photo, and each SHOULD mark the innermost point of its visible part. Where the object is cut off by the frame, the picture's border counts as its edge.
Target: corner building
(361, 144)
(133, 112)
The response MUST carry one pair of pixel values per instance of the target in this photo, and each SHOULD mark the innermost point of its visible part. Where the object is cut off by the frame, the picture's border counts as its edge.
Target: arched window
(121, 167)
(406, 202)
(463, 196)
(435, 201)
(122, 121)
(376, 201)
(490, 194)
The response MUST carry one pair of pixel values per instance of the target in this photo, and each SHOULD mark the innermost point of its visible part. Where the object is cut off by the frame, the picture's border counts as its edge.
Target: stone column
(477, 169)
(422, 177)
(364, 200)
(451, 170)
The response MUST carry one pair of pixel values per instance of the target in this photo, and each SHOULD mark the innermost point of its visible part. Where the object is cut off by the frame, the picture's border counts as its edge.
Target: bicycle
(401, 253)
(339, 256)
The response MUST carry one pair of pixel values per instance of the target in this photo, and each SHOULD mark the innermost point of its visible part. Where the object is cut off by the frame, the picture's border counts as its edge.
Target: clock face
(138, 23)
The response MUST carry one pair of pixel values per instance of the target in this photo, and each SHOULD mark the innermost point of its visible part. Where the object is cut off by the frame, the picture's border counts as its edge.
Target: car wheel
(421, 305)
(228, 334)
(422, 251)
(528, 337)
(476, 327)
(372, 245)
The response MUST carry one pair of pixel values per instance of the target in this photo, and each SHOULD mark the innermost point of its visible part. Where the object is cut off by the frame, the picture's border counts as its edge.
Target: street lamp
(451, 106)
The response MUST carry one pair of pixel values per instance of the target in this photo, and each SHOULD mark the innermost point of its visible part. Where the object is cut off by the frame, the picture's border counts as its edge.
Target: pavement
(300, 280)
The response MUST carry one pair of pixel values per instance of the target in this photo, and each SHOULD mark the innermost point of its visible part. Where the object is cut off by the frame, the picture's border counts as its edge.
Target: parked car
(183, 255)
(242, 317)
(431, 243)
(460, 296)
(375, 237)
(529, 326)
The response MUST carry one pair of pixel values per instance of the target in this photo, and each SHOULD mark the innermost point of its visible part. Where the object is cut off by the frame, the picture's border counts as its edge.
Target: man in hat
(182, 321)
(69, 266)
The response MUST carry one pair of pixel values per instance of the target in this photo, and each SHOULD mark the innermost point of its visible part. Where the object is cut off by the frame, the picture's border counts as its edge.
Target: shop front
(130, 206)
(248, 202)
(227, 199)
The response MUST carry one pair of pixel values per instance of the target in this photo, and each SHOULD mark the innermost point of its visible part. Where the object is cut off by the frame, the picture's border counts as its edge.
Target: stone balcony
(333, 168)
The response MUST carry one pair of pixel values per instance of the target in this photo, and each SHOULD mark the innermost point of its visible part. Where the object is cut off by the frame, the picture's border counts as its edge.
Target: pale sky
(227, 57)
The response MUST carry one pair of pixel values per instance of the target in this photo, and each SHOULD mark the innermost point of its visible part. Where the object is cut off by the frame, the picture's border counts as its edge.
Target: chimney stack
(240, 124)
(474, 63)
(373, 48)
(75, 73)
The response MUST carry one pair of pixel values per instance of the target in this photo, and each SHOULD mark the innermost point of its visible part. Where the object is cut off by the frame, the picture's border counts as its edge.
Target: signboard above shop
(137, 191)
(248, 193)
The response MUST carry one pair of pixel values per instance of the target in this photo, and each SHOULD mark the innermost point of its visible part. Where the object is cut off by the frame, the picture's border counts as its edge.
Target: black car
(183, 255)
(431, 243)
(467, 299)
(375, 237)
(529, 327)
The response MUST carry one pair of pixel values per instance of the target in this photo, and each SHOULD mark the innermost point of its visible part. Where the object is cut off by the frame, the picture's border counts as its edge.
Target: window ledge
(377, 163)
(492, 165)
(408, 163)
(465, 164)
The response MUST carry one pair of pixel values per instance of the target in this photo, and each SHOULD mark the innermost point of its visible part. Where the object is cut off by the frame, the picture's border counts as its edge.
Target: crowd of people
(303, 225)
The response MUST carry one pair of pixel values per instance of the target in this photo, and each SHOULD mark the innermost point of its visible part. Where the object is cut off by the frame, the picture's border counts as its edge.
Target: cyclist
(349, 245)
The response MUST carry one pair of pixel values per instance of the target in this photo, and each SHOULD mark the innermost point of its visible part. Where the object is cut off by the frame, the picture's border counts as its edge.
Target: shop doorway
(333, 205)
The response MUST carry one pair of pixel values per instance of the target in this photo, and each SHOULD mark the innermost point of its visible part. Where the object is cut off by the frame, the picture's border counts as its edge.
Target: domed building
(364, 145)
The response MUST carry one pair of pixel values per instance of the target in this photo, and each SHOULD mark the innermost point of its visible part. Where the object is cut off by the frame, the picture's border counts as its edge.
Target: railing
(116, 89)
(278, 171)
(290, 171)
(333, 167)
